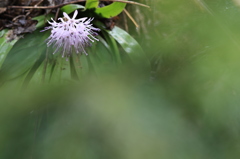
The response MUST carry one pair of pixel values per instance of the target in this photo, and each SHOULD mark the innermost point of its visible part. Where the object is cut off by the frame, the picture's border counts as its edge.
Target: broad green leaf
(94, 60)
(62, 71)
(54, 69)
(15, 84)
(3, 32)
(44, 72)
(42, 19)
(130, 45)
(5, 46)
(91, 4)
(81, 65)
(113, 47)
(33, 70)
(101, 59)
(111, 10)
(73, 68)
(71, 7)
(103, 45)
(23, 55)
(38, 75)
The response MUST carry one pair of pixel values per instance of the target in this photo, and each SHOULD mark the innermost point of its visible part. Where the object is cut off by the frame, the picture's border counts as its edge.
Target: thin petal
(61, 19)
(82, 19)
(66, 16)
(75, 14)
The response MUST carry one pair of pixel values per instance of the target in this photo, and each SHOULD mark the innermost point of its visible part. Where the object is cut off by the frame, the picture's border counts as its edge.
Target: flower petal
(66, 16)
(71, 35)
(75, 14)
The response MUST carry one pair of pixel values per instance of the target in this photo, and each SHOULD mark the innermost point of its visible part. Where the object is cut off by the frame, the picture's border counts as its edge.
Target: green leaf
(3, 32)
(61, 72)
(91, 4)
(101, 59)
(113, 47)
(42, 19)
(33, 70)
(130, 45)
(54, 69)
(44, 71)
(71, 7)
(73, 68)
(111, 10)
(82, 65)
(5, 46)
(23, 55)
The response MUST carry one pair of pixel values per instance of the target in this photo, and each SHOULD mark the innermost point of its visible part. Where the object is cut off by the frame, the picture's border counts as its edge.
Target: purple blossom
(71, 34)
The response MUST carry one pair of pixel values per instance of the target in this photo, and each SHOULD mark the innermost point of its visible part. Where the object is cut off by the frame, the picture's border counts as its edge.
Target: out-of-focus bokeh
(187, 106)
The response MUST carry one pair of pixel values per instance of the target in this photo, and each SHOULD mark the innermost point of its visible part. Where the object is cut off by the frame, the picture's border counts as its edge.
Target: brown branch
(34, 5)
(60, 5)
(131, 18)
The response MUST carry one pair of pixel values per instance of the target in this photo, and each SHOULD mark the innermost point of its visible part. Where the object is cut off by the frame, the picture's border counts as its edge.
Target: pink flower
(71, 34)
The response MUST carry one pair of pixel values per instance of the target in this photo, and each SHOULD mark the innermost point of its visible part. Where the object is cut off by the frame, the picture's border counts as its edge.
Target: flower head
(71, 34)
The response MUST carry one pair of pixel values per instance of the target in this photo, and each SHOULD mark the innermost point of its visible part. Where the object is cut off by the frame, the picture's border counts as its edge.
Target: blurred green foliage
(185, 107)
